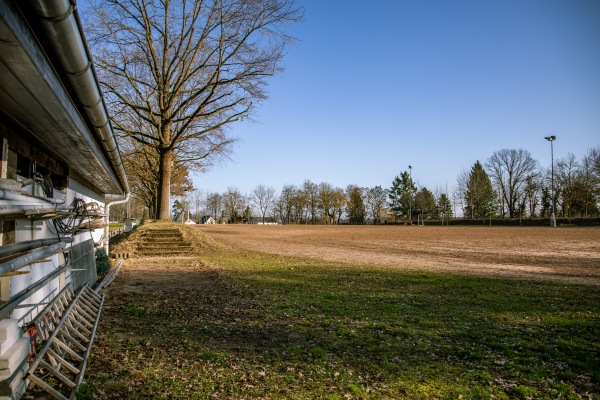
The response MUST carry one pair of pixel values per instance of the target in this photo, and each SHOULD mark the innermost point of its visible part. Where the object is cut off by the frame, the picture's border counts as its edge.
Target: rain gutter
(60, 22)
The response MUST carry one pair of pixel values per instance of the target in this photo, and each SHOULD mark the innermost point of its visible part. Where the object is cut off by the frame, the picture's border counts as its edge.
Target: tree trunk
(164, 185)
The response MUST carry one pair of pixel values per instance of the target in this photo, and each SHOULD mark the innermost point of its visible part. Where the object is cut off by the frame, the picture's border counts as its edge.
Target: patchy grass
(115, 226)
(277, 327)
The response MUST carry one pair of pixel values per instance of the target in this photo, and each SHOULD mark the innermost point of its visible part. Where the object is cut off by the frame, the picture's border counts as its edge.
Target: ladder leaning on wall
(61, 339)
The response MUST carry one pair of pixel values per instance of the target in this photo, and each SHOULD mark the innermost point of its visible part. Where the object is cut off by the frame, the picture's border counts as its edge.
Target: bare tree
(311, 194)
(285, 203)
(198, 197)
(326, 198)
(263, 196)
(214, 205)
(177, 73)
(235, 204)
(509, 170)
(590, 171)
(567, 177)
(459, 193)
(338, 203)
(532, 193)
(376, 201)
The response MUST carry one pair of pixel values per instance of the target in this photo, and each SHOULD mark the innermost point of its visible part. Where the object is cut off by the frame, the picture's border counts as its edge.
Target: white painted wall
(26, 229)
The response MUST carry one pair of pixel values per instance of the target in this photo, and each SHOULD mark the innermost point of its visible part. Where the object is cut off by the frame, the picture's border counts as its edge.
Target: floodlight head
(410, 167)
(550, 138)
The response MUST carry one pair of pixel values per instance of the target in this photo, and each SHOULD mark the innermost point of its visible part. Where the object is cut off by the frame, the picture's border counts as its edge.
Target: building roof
(49, 89)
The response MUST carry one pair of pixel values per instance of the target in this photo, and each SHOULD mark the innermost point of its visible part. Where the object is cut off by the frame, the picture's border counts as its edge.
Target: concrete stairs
(162, 243)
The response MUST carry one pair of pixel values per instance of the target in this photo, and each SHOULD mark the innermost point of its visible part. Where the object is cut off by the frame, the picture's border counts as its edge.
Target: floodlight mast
(410, 195)
(551, 139)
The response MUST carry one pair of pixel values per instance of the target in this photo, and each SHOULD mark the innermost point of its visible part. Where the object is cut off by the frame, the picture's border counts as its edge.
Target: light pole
(410, 195)
(551, 139)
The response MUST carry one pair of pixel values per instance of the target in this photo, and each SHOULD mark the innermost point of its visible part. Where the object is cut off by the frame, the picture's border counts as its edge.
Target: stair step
(166, 240)
(173, 248)
(164, 254)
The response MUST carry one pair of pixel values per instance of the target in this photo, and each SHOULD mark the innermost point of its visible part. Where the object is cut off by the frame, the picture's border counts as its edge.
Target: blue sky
(372, 87)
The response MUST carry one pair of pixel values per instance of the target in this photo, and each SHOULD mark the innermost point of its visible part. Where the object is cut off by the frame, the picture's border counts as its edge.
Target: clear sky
(371, 87)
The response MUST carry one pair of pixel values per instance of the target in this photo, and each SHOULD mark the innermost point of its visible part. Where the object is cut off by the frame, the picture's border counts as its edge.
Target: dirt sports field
(560, 254)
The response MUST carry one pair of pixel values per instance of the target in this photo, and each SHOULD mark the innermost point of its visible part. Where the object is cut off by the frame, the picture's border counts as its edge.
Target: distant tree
(338, 204)
(178, 210)
(459, 194)
(444, 206)
(376, 203)
(424, 202)
(285, 203)
(566, 174)
(198, 200)
(299, 206)
(546, 202)
(584, 202)
(326, 195)
(311, 195)
(355, 206)
(576, 191)
(399, 194)
(479, 195)
(214, 205)
(235, 204)
(594, 165)
(263, 197)
(531, 194)
(590, 175)
(509, 170)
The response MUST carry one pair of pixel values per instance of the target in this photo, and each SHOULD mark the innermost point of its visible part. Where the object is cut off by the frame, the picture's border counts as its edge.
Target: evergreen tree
(444, 206)
(399, 194)
(424, 202)
(355, 207)
(480, 196)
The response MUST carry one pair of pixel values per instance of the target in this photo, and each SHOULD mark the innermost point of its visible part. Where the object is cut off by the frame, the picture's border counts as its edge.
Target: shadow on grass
(297, 329)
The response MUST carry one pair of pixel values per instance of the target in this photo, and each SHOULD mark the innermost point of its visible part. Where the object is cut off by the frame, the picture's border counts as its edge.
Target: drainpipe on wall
(107, 218)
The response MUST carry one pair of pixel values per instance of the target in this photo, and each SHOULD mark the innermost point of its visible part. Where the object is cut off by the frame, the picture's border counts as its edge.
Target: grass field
(236, 323)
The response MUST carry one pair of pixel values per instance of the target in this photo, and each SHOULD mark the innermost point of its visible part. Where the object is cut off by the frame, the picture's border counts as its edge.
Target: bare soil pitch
(561, 254)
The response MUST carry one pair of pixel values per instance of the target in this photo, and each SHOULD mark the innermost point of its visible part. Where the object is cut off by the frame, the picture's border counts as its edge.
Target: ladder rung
(88, 305)
(49, 389)
(74, 331)
(58, 374)
(77, 315)
(71, 339)
(86, 316)
(66, 348)
(92, 296)
(64, 362)
(71, 318)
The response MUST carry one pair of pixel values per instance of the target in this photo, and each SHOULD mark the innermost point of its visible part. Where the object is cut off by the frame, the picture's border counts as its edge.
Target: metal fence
(82, 263)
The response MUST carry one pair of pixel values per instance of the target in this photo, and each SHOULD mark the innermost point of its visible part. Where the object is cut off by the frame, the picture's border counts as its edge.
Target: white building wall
(25, 230)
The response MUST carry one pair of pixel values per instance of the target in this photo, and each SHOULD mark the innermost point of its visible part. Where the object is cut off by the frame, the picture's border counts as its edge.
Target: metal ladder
(66, 330)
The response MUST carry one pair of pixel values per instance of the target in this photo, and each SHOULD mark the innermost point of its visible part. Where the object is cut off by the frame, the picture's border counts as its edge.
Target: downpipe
(107, 218)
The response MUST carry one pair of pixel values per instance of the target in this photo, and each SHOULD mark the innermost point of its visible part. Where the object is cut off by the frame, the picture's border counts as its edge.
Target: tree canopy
(177, 73)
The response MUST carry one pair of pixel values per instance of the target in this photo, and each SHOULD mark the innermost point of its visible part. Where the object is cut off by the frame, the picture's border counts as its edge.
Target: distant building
(207, 220)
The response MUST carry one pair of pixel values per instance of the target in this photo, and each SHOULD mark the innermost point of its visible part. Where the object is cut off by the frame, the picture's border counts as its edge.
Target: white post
(107, 218)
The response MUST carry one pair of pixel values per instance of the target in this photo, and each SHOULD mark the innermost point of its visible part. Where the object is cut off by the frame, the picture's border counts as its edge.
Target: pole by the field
(551, 139)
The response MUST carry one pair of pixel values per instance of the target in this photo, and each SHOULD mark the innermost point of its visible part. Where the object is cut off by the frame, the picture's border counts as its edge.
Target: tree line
(509, 184)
